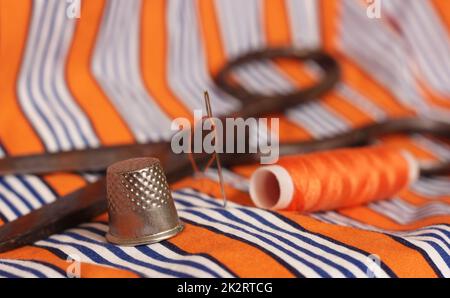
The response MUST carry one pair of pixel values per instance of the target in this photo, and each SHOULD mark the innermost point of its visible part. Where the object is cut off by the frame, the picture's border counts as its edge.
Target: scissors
(90, 201)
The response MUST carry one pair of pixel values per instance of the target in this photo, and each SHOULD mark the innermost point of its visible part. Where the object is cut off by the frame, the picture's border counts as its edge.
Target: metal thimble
(140, 206)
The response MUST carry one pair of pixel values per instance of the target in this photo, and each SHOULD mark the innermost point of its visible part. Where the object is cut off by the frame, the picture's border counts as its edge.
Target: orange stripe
(216, 59)
(442, 7)
(16, 132)
(402, 260)
(278, 32)
(211, 35)
(330, 15)
(65, 183)
(276, 23)
(109, 126)
(86, 269)
(250, 262)
(154, 58)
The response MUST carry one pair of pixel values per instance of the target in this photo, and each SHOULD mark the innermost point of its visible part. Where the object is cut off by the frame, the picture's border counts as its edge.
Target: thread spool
(333, 179)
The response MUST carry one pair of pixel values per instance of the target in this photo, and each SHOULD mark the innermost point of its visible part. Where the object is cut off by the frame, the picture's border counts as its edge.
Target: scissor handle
(257, 104)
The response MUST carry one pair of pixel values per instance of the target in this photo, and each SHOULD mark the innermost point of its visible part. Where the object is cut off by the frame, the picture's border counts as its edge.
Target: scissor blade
(97, 159)
(66, 212)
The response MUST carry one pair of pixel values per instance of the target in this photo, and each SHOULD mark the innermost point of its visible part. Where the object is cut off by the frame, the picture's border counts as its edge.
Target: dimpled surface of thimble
(144, 189)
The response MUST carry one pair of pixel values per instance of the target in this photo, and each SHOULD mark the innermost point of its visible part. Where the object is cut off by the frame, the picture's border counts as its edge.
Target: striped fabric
(123, 70)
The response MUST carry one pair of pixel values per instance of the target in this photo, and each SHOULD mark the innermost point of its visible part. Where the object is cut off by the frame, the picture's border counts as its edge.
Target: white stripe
(22, 190)
(6, 211)
(14, 200)
(56, 90)
(385, 60)
(187, 64)
(405, 213)
(45, 270)
(13, 270)
(425, 34)
(55, 30)
(33, 52)
(303, 15)
(40, 187)
(59, 76)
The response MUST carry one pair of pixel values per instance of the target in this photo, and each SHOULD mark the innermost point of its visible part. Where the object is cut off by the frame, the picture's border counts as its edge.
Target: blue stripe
(7, 274)
(37, 273)
(31, 189)
(18, 195)
(10, 205)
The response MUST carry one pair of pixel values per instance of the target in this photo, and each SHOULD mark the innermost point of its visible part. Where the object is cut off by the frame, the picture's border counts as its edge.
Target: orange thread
(339, 178)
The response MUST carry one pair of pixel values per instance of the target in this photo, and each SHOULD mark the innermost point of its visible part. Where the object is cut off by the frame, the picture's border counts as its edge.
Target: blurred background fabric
(120, 71)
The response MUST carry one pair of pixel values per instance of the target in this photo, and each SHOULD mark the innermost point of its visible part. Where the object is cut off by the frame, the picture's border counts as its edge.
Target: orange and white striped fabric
(124, 69)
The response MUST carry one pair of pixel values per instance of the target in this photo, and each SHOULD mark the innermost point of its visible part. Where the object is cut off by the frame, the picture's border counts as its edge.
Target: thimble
(140, 206)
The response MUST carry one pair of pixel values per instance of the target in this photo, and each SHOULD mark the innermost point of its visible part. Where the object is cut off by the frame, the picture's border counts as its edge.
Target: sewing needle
(219, 166)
